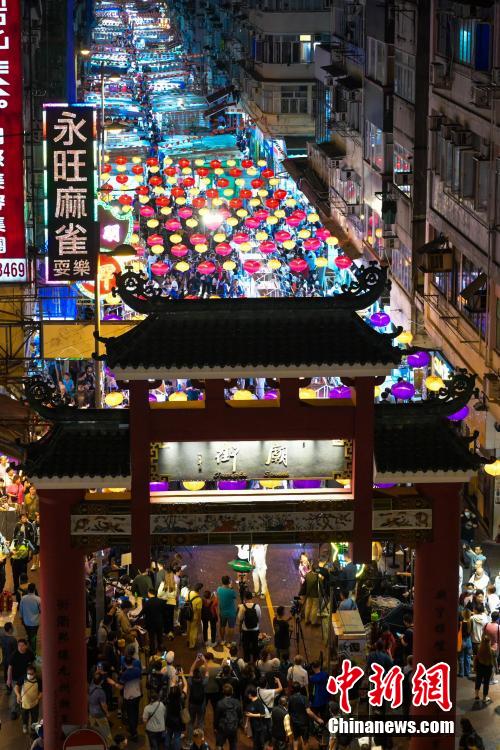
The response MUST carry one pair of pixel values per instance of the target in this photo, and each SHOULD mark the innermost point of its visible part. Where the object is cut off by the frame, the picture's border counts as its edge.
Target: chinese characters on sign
(13, 266)
(72, 229)
(430, 685)
(257, 459)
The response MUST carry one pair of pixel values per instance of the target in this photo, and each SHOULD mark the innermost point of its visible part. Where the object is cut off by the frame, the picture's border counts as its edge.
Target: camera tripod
(299, 635)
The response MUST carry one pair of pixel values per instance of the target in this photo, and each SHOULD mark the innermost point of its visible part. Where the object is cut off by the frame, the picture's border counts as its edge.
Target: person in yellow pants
(194, 626)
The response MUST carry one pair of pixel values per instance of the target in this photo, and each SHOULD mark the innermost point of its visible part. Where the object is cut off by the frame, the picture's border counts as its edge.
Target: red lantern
(188, 181)
(272, 203)
(236, 203)
(298, 265)
(170, 171)
(312, 243)
(202, 171)
(222, 182)
(152, 161)
(160, 268)
(251, 266)
(199, 202)
(206, 267)
(282, 235)
(257, 183)
(125, 200)
(223, 248)
(183, 163)
(247, 163)
(215, 164)
(343, 262)
(142, 190)
(122, 178)
(240, 238)
(137, 169)
(198, 239)
(280, 194)
(245, 193)
(106, 188)
(177, 192)
(235, 172)
(267, 173)
(212, 193)
(162, 200)
(106, 168)
(155, 180)
(121, 160)
(267, 247)
(179, 251)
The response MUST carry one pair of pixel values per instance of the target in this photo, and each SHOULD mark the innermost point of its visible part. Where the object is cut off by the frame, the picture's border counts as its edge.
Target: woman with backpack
(197, 699)
(249, 615)
(209, 617)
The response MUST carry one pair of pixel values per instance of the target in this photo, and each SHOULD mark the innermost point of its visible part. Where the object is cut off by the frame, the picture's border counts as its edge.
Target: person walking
(310, 592)
(249, 616)
(174, 723)
(168, 592)
(195, 604)
(260, 719)
(153, 716)
(228, 718)
(130, 679)
(98, 709)
(209, 618)
(226, 596)
(282, 634)
(30, 609)
(281, 728)
(19, 661)
(153, 611)
(197, 699)
(465, 653)
(29, 694)
(484, 663)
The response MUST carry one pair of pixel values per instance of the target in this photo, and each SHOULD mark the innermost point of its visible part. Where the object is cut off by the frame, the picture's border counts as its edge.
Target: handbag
(185, 715)
(460, 639)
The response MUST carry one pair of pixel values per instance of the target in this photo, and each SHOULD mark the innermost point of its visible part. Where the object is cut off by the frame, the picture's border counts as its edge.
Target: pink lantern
(298, 265)
(300, 214)
(179, 251)
(240, 238)
(223, 248)
(206, 267)
(251, 222)
(261, 214)
(155, 239)
(267, 247)
(147, 211)
(282, 235)
(198, 239)
(160, 268)
(293, 220)
(322, 233)
(251, 266)
(342, 261)
(173, 224)
(312, 243)
(185, 212)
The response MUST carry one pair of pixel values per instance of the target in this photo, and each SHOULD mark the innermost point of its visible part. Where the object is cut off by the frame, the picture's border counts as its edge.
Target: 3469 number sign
(13, 270)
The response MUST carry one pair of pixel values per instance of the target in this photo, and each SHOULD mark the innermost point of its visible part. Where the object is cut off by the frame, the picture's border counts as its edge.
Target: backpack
(251, 618)
(230, 720)
(197, 692)
(187, 611)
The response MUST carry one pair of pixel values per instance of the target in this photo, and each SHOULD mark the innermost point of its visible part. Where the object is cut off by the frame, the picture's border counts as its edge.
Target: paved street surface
(208, 565)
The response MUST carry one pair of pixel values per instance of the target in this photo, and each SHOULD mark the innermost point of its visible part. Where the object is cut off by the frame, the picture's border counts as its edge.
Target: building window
(466, 41)
(267, 103)
(293, 100)
(374, 146)
(401, 265)
(402, 163)
(286, 49)
(374, 227)
(469, 273)
(376, 60)
(404, 76)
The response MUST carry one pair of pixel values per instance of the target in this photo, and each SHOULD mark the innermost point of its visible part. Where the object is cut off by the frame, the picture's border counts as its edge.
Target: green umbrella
(241, 566)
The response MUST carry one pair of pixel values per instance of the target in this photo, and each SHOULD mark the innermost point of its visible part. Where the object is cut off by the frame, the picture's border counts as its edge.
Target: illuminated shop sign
(13, 266)
(250, 459)
(70, 192)
(114, 229)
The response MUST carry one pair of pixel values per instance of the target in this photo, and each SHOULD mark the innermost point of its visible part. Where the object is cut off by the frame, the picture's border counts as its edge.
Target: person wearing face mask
(29, 694)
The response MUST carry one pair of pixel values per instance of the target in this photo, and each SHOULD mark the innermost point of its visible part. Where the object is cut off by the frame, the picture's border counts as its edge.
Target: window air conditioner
(346, 174)
(403, 178)
(461, 137)
(481, 96)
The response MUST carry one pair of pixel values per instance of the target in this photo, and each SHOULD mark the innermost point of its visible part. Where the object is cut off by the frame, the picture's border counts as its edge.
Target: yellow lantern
(187, 170)
(370, 240)
(289, 244)
(106, 158)
(279, 213)
(493, 469)
(115, 398)
(378, 232)
(152, 223)
(193, 486)
(194, 191)
(321, 262)
(405, 337)
(242, 212)
(157, 249)
(273, 181)
(172, 180)
(201, 248)
(307, 393)
(203, 210)
(134, 239)
(158, 190)
(218, 171)
(270, 484)
(175, 238)
(154, 170)
(204, 181)
(231, 163)
(166, 210)
(182, 266)
(254, 202)
(199, 162)
(136, 159)
(290, 202)
(168, 161)
(191, 223)
(217, 202)
(178, 396)
(263, 193)
(434, 383)
(126, 209)
(252, 172)
(232, 221)
(180, 200)
(229, 265)
(304, 234)
(261, 236)
(239, 182)
(262, 163)
(377, 391)
(219, 237)
(242, 395)
(312, 217)
(331, 240)
(144, 199)
(245, 247)
(228, 192)
(273, 264)
(272, 220)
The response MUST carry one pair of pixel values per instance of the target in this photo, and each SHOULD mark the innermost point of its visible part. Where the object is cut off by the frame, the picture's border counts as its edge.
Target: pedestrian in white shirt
(480, 579)
(154, 716)
(479, 619)
(492, 598)
(258, 554)
(297, 673)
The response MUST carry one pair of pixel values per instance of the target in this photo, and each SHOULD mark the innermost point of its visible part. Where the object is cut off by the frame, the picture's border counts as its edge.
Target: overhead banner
(258, 459)
(13, 265)
(72, 230)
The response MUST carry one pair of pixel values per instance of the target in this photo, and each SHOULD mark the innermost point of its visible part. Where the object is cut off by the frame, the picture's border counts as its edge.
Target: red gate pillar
(140, 466)
(362, 468)
(436, 602)
(64, 651)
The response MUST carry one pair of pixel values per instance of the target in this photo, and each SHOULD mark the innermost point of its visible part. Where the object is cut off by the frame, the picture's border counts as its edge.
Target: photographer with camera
(282, 633)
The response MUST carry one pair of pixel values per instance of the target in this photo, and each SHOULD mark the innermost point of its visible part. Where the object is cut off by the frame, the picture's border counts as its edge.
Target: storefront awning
(295, 145)
(219, 94)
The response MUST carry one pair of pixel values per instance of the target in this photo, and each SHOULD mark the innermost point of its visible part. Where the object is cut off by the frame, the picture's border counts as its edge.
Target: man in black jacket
(228, 717)
(153, 611)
